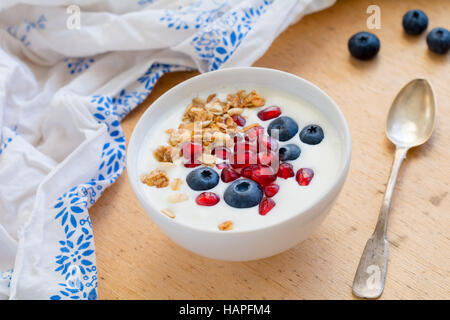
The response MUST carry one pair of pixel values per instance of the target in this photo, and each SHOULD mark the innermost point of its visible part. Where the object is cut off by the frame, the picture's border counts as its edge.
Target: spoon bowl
(411, 119)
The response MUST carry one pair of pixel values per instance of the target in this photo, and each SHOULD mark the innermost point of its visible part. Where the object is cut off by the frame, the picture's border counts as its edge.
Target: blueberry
(243, 193)
(202, 178)
(415, 22)
(312, 134)
(364, 45)
(438, 40)
(289, 152)
(285, 126)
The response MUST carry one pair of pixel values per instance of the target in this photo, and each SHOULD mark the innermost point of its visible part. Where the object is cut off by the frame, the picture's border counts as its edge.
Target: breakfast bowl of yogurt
(240, 164)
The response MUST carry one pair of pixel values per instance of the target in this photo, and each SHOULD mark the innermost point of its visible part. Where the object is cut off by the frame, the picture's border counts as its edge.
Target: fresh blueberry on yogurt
(243, 193)
(312, 134)
(289, 152)
(284, 126)
(203, 178)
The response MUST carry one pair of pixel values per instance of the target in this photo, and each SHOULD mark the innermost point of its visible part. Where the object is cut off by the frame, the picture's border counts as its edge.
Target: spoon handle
(371, 273)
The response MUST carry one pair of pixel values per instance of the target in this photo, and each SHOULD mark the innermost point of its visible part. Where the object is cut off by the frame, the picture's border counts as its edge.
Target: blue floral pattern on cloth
(23, 30)
(144, 2)
(217, 42)
(77, 65)
(179, 18)
(6, 276)
(76, 260)
(7, 140)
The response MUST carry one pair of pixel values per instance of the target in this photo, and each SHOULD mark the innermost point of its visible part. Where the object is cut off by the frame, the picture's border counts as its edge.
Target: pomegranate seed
(263, 174)
(242, 147)
(266, 158)
(207, 199)
(254, 133)
(242, 160)
(191, 150)
(229, 175)
(240, 120)
(221, 153)
(265, 206)
(191, 165)
(286, 170)
(266, 143)
(237, 138)
(271, 189)
(222, 165)
(269, 113)
(304, 176)
(247, 172)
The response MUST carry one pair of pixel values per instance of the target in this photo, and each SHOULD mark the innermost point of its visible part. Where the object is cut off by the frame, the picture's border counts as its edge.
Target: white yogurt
(291, 199)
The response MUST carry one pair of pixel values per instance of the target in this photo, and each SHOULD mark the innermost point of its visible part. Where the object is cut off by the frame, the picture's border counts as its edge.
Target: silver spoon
(410, 123)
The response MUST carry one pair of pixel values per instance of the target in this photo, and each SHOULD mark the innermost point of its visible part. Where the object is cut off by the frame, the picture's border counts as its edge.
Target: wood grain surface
(137, 261)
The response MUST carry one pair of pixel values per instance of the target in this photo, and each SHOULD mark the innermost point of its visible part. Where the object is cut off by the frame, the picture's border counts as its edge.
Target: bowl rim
(337, 182)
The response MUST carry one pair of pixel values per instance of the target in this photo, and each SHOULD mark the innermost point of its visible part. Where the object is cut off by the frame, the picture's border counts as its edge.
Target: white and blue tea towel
(69, 72)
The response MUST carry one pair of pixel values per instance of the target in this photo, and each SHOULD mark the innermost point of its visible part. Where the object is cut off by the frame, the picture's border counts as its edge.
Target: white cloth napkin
(63, 92)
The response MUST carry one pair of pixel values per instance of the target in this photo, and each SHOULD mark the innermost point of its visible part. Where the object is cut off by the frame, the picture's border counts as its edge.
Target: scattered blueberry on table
(438, 40)
(243, 193)
(415, 22)
(203, 178)
(312, 134)
(364, 45)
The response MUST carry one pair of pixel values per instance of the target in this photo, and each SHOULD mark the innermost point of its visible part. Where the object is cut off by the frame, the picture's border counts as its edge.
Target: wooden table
(137, 261)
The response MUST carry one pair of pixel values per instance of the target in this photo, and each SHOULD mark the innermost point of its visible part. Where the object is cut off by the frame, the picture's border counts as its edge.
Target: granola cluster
(156, 178)
(208, 122)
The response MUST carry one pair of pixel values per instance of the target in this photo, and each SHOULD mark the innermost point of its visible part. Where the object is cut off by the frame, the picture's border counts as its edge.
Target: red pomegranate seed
(229, 175)
(207, 199)
(247, 172)
(269, 113)
(242, 160)
(286, 170)
(254, 133)
(191, 150)
(242, 147)
(191, 165)
(304, 176)
(263, 174)
(265, 206)
(271, 189)
(266, 143)
(240, 120)
(222, 165)
(266, 158)
(221, 153)
(237, 138)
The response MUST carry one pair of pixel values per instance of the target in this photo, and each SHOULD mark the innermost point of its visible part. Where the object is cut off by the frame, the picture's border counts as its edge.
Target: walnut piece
(156, 178)
(163, 154)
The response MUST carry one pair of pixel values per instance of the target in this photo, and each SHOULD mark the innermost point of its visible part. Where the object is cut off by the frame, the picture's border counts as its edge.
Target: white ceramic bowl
(262, 242)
